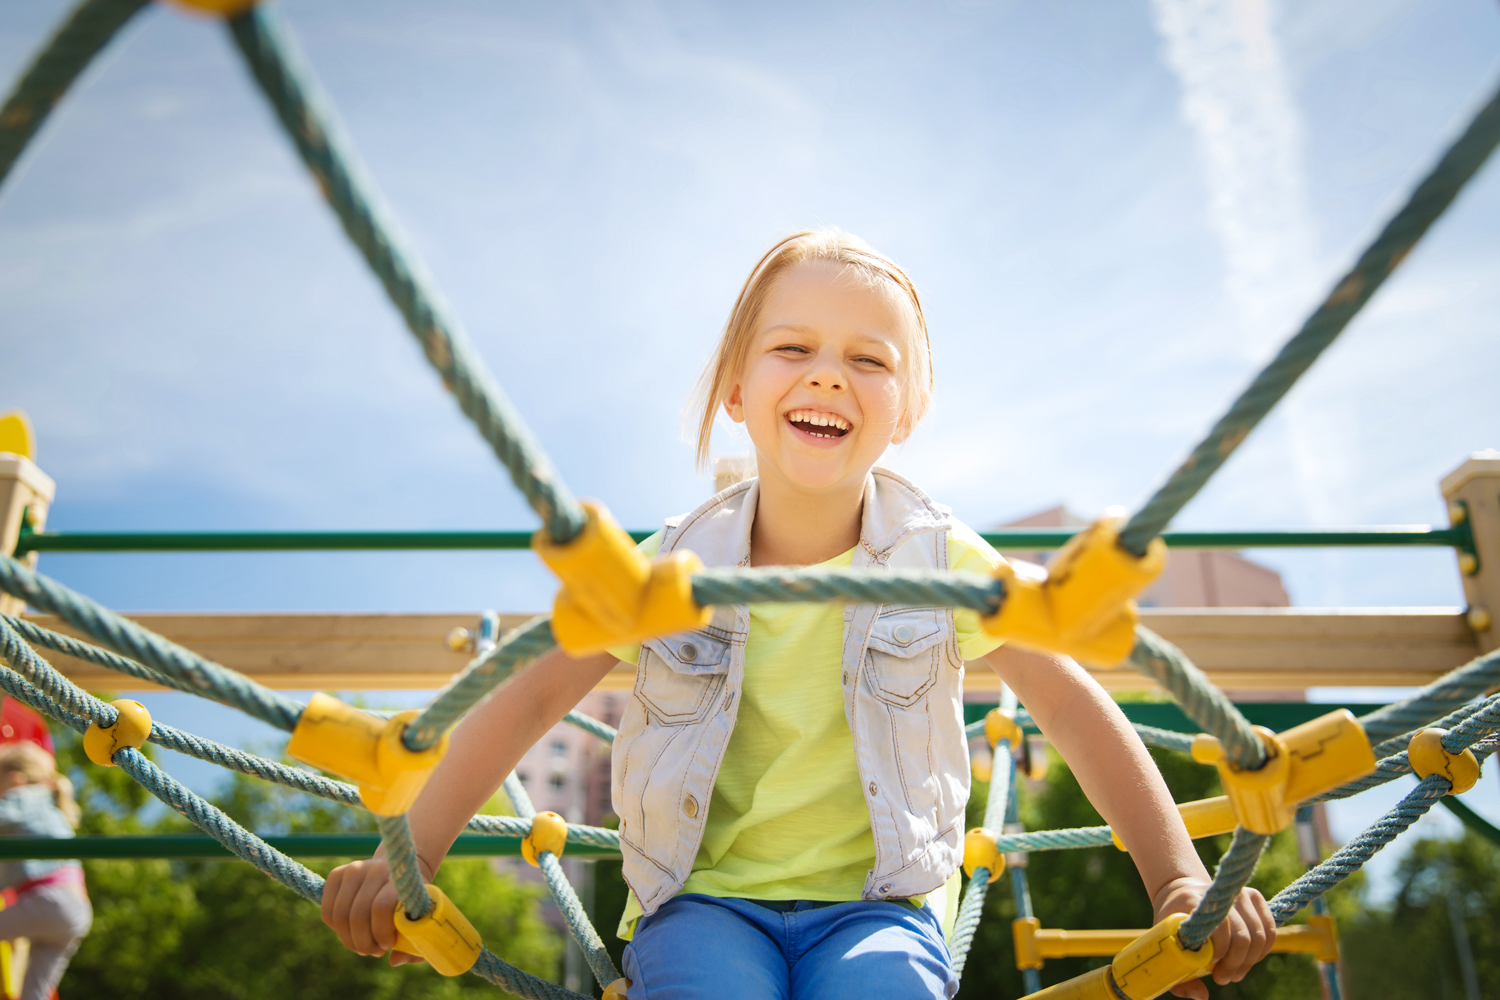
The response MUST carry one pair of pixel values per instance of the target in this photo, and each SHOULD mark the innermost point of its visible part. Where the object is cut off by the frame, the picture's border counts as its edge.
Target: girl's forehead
(827, 297)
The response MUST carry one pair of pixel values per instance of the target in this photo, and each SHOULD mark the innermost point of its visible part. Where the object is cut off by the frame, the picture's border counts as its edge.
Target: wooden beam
(1239, 648)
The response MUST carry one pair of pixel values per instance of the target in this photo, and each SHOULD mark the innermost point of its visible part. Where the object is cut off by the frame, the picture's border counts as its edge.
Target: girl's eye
(793, 348)
(871, 361)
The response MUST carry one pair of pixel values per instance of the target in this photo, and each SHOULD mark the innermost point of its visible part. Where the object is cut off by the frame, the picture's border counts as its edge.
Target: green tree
(1408, 949)
(216, 930)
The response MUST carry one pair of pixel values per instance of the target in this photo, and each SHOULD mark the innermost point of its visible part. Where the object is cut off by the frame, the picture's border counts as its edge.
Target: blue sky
(1115, 213)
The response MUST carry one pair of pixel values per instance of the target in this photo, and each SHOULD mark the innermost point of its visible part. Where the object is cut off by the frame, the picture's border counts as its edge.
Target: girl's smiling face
(822, 391)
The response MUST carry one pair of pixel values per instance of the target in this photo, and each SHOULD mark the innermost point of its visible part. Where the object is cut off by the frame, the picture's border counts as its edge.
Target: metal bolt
(687, 652)
(1467, 563)
(1479, 619)
(457, 639)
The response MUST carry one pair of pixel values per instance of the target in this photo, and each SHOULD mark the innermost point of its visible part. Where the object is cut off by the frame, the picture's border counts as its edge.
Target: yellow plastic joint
(217, 8)
(1085, 607)
(999, 726)
(444, 936)
(1093, 985)
(1304, 761)
(1023, 930)
(1203, 818)
(616, 990)
(982, 850)
(1156, 961)
(1427, 756)
(611, 594)
(131, 727)
(366, 750)
(549, 832)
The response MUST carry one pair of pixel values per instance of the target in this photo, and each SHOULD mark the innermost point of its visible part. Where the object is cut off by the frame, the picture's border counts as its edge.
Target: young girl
(791, 780)
(51, 907)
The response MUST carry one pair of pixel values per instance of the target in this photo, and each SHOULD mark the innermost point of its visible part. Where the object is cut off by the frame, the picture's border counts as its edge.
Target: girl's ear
(734, 405)
(904, 427)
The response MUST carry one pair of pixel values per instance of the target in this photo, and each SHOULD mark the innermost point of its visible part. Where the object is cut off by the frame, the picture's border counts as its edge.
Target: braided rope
(1234, 873)
(406, 871)
(727, 586)
(1204, 703)
(314, 129)
(1445, 694)
(589, 724)
(201, 676)
(1002, 783)
(69, 646)
(65, 56)
(479, 678)
(1431, 197)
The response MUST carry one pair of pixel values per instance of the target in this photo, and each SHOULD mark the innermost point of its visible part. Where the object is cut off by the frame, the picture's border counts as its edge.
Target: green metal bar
(1014, 540)
(306, 845)
(1274, 715)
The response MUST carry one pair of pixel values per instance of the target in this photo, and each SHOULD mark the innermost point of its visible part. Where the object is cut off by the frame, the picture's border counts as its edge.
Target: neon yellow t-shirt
(788, 819)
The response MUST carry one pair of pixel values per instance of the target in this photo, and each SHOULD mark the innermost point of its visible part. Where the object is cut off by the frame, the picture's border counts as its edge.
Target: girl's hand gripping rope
(359, 903)
(1243, 939)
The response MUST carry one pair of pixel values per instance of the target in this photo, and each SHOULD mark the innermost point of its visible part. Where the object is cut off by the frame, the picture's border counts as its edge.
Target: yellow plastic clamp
(999, 726)
(1304, 761)
(131, 727)
(1084, 608)
(16, 435)
(444, 936)
(1093, 985)
(1427, 756)
(1023, 931)
(366, 750)
(220, 8)
(981, 850)
(1321, 928)
(1203, 818)
(611, 594)
(616, 990)
(549, 832)
(1156, 961)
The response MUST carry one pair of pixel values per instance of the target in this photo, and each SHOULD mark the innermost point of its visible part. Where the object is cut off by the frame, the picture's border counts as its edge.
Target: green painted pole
(1014, 540)
(306, 845)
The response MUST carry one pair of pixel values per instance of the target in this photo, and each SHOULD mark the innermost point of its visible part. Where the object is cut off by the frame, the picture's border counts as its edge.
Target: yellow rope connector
(131, 728)
(616, 990)
(999, 726)
(366, 750)
(1156, 961)
(444, 936)
(1089, 986)
(1023, 930)
(549, 832)
(1427, 756)
(1085, 607)
(217, 8)
(611, 594)
(981, 850)
(1203, 818)
(1304, 761)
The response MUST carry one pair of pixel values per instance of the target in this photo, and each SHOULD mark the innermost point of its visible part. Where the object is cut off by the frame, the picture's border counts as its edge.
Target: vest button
(903, 634)
(690, 806)
(687, 652)
(885, 888)
(872, 788)
(846, 677)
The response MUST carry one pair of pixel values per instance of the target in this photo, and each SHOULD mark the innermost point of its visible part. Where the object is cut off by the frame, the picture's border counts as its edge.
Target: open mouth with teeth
(818, 424)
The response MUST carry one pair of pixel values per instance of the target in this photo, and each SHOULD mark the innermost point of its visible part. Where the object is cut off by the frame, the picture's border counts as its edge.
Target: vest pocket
(681, 676)
(904, 653)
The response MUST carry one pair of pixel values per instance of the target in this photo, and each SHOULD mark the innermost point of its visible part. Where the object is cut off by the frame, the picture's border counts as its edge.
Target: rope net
(1456, 702)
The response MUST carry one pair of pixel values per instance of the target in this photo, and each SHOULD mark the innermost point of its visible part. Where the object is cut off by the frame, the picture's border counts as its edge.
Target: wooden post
(25, 494)
(1473, 494)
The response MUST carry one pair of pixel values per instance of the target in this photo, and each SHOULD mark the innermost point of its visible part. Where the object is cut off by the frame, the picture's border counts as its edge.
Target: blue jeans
(698, 947)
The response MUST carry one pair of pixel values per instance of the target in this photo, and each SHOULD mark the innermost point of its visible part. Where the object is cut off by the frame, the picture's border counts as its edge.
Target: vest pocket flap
(694, 652)
(907, 631)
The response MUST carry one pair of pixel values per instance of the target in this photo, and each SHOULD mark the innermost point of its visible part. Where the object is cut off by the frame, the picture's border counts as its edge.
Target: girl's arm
(359, 901)
(1123, 783)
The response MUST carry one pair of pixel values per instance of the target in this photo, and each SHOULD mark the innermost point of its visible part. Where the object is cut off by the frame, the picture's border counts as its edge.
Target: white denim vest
(903, 686)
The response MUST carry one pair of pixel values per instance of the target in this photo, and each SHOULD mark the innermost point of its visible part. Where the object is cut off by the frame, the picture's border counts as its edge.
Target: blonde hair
(38, 767)
(826, 245)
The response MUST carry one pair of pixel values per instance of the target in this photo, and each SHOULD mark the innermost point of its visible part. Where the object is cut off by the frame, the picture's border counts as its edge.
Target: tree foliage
(211, 930)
